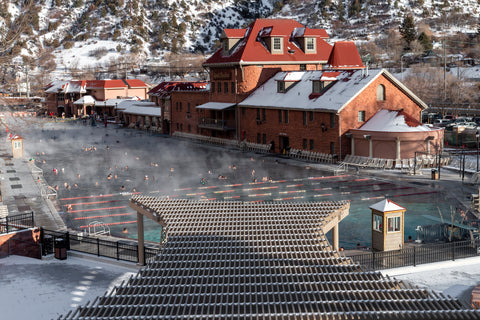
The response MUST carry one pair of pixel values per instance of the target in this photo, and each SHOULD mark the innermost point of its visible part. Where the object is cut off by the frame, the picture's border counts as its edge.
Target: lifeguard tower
(387, 225)
(17, 146)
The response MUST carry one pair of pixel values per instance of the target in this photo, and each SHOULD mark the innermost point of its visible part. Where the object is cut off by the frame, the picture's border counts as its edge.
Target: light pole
(477, 135)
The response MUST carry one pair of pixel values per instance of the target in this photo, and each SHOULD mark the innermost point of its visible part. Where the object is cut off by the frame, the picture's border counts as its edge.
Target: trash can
(60, 249)
(434, 174)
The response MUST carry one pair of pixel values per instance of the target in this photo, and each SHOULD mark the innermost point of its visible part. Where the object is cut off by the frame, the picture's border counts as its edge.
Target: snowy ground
(45, 289)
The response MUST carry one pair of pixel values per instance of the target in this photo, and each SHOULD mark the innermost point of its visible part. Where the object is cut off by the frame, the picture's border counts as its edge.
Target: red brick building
(319, 111)
(62, 95)
(278, 82)
(177, 101)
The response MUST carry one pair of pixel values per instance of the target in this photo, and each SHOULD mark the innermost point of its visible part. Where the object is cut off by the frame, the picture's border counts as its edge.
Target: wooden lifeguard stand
(17, 146)
(387, 225)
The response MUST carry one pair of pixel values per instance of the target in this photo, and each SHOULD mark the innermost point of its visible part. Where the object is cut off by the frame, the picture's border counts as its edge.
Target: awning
(216, 105)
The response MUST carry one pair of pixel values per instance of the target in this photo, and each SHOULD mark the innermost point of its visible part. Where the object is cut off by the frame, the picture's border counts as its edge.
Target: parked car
(441, 122)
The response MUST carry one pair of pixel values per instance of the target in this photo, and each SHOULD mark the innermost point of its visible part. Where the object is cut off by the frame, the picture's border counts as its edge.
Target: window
(285, 115)
(304, 118)
(305, 144)
(393, 224)
(332, 147)
(258, 114)
(225, 47)
(381, 92)
(17, 145)
(178, 126)
(280, 87)
(303, 67)
(243, 112)
(377, 223)
(277, 44)
(259, 137)
(311, 116)
(188, 108)
(61, 97)
(180, 106)
(264, 138)
(213, 86)
(219, 87)
(264, 114)
(361, 116)
(181, 126)
(312, 145)
(189, 128)
(225, 87)
(317, 86)
(332, 120)
(280, 116)
(310, 44)
(233, 87)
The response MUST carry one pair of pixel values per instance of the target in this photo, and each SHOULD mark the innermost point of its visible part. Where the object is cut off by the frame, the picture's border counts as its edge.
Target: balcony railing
(215, 124)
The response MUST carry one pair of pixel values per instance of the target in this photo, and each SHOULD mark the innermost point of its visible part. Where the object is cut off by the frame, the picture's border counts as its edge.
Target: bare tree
(12, 29)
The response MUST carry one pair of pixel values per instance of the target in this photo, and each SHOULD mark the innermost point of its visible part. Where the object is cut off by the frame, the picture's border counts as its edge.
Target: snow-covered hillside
(93, 34)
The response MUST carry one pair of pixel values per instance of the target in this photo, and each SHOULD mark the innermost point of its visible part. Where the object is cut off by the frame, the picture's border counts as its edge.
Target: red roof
(234, 33)
(345, 56)
(105, 84)
(169, 86)
(135, 83)
(252, 49)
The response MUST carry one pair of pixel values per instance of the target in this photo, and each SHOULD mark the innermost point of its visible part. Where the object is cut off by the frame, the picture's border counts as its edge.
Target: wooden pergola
(237, 260)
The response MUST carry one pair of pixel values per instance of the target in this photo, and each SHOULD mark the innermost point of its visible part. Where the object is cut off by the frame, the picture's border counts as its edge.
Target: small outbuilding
(387, 225)
(17, 146)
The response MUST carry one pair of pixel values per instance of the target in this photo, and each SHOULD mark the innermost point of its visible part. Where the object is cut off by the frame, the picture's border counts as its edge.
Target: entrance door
(284, 145)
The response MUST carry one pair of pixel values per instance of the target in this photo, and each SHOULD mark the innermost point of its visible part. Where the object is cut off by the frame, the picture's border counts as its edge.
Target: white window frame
(377, 223)
(310, 45)
(396, 226)
(361, 116)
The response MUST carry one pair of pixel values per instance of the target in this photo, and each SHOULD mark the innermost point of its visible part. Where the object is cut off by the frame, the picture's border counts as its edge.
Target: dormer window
(317, 86)
(281, 86)
(277, 45)
(310, 45)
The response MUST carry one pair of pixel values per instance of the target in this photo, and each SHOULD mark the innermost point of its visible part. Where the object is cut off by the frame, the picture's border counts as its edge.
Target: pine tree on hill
(408, 32)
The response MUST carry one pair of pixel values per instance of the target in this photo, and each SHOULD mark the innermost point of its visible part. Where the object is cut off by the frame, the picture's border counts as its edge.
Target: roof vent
(291, 51)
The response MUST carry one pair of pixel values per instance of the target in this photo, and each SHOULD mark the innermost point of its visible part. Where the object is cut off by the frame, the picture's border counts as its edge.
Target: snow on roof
(347, 86)
(80, 86)
(126, 104)
(289, 76)
(393, 121)
(386, 206)
(86, 100)
(215, 105)
(141, 108)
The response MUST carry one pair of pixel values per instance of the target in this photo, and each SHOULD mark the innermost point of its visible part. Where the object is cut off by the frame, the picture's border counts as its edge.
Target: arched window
(381, 92)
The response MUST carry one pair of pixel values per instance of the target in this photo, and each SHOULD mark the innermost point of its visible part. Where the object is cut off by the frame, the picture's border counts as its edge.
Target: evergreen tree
(424, 40)
(407, 30)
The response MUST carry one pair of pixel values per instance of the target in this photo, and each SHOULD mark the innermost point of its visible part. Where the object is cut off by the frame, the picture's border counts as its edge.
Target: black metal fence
(124, 250)
(417, 254)
(16, 222)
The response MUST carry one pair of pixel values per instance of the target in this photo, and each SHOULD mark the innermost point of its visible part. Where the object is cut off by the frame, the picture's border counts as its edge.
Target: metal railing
(124, 250)
(417, 254)
(16, 222)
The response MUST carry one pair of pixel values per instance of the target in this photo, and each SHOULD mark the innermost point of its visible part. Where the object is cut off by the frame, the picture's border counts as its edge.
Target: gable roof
(233, 33)
(345, 56)
(349, 84)
(251, 48)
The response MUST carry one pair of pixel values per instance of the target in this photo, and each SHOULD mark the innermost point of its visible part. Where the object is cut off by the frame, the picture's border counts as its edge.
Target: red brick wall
(295, 129)
(23, 243)
(366, 101)
(181, 119)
